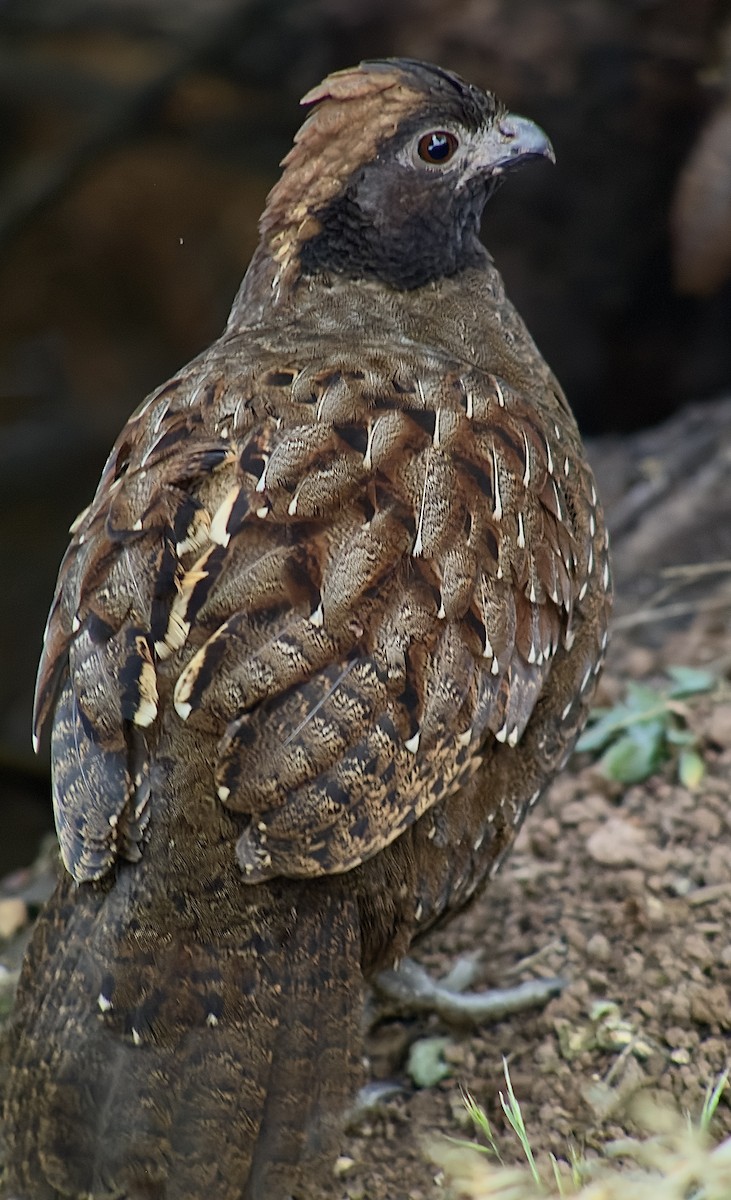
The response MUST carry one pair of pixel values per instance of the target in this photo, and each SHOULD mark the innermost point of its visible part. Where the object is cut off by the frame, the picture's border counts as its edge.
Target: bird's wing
(352, 576)
(98, 675)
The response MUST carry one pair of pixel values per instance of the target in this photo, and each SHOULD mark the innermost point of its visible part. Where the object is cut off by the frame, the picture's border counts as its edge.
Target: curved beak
(512, 140)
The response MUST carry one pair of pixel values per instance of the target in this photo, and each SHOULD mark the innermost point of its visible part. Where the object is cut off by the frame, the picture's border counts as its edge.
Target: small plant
(649, 728)
(674, 1160)
(714, 1091)
(565, 1177)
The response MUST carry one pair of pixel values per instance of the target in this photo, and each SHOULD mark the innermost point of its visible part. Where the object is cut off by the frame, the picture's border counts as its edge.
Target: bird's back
(327, 630)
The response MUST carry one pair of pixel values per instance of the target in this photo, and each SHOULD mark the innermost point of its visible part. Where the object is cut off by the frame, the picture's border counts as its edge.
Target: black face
(412, 215)
(403, 222)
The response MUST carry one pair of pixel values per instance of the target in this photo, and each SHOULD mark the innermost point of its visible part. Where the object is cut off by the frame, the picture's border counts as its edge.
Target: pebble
(718, 728)
(680, 885)
(708, 823)
(717, 866)
(550, 828)
(715, 1049)
(681, 1058)
(458, 1111)
(545, 1052)
(639, 662)
(657, 915)
(710, 1005)
(630, 882)
(574, 935)
(455, 1053)
(698, 948)
(678, 1005)
(635, 965)
(597, 979)
(675, 1035)
(647, 1007)
(591, 807)
(598, 947)
(617, 843)
(541, 845)
(13, 916)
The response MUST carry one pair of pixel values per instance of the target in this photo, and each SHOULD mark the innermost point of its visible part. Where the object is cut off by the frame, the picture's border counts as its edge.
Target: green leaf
(636, 755)
(691, 769)
(651, 735)
(712, 1097)
(641, 698)
(426, 1064)
(680, 737)
(602, 731)
(689, 681)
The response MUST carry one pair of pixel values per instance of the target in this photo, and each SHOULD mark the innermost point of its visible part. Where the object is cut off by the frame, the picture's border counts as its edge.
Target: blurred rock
(701, 211)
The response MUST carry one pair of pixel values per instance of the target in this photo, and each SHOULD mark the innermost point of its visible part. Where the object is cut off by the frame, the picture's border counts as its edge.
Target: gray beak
(512, 140)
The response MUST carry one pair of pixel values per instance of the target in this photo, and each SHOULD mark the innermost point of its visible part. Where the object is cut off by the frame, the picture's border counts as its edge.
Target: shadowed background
(139, 139)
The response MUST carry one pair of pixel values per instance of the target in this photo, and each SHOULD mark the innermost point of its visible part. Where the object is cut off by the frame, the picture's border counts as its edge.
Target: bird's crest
(354, 110)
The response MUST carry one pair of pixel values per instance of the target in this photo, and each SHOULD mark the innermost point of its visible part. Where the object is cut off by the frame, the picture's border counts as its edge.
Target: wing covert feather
(354, 578)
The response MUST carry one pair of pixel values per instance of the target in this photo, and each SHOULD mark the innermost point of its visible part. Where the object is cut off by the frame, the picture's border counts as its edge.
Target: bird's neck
(465, 315)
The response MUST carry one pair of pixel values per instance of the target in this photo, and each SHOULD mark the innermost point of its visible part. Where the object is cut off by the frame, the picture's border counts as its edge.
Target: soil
(623, 891)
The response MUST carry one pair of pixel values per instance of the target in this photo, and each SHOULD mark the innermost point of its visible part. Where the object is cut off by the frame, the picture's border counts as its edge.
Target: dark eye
(437, 147)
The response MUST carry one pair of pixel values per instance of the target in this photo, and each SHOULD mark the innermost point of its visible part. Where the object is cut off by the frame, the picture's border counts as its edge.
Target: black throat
(405, 232)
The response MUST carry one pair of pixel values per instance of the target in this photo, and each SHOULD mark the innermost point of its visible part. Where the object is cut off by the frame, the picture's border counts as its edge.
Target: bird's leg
(410, 989)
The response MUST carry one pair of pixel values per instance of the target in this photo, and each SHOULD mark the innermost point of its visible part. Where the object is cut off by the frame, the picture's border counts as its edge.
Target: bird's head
(389, 174)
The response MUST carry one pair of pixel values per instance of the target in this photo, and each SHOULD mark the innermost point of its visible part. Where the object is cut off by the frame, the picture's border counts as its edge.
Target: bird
(330, 625)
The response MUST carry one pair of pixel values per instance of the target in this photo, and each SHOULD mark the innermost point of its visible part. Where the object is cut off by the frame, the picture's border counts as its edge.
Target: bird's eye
(437, 147)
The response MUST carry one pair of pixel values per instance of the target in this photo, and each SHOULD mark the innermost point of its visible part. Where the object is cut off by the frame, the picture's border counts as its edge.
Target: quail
(328, 628)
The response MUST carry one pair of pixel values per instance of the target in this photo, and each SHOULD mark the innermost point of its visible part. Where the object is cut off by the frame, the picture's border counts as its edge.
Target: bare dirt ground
(623, 891)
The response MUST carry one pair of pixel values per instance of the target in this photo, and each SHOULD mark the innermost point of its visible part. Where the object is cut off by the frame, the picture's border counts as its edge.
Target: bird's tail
(150, 1066)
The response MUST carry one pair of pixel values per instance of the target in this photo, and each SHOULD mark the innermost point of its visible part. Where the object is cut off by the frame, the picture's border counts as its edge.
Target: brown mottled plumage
(329, 626)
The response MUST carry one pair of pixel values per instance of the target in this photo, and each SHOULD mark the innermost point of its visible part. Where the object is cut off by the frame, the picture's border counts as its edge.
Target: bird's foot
(408, 988)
